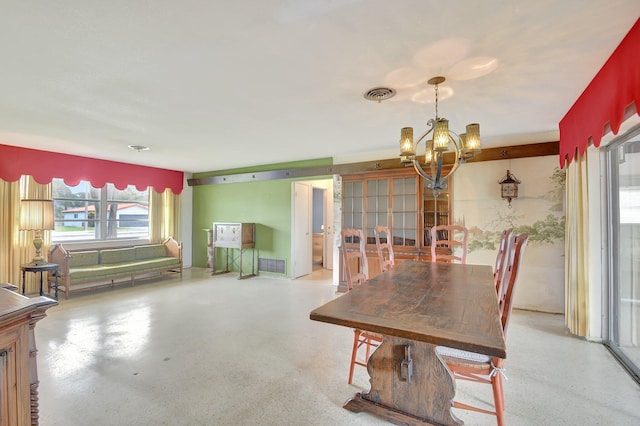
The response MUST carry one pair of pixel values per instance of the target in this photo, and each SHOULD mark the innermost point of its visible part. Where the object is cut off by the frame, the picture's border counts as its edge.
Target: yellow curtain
(577, 247)
(164, 215)
(16, 247)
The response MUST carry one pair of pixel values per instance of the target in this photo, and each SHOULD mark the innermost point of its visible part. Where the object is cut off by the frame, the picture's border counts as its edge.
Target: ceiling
(213, 85)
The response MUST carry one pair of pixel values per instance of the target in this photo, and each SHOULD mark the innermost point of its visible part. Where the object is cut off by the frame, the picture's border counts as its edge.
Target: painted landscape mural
(538, 211)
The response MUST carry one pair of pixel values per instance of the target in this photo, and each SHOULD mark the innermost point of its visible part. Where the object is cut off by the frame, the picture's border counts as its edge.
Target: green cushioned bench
(93, 268)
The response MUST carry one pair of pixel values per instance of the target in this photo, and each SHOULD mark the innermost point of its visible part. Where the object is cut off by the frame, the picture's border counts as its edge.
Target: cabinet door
(436, 212)
(405, 215)
(376, 207)
(12, 393)
(352, 204)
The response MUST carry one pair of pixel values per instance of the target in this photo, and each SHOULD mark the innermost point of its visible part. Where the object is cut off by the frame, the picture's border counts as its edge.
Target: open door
(327, 259)
(301, 238)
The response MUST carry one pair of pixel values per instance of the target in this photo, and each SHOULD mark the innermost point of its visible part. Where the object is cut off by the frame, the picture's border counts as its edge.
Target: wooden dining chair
(447, 238)
(357, 273)
(385, 249)
(481, 368)
(498, 270)
(362, 339)
(354, 255)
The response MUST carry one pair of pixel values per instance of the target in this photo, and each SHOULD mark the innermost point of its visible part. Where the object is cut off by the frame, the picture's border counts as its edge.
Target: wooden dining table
(418, 306)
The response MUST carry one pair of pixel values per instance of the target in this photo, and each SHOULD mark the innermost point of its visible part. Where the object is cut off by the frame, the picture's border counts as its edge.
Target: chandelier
(463, 146)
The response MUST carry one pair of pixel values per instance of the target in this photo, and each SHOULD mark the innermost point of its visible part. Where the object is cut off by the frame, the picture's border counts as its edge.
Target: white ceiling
(211, 85)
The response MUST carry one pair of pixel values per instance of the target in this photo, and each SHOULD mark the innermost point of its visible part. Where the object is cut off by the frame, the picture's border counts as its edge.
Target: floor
(220, 351)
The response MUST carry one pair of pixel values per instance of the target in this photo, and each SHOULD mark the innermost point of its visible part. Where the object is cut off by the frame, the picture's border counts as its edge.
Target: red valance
(612, 90)
(44, 166)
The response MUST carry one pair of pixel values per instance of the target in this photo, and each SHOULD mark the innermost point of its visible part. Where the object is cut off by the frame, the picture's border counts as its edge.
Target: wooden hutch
(18, 373)
(400, 200)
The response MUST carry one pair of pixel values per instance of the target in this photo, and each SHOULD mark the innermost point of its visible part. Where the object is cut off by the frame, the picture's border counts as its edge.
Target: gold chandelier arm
(431, 124)
(421, 172)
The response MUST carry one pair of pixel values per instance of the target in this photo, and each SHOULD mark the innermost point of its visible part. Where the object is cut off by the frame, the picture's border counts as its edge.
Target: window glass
(85, 213)
(624, 196)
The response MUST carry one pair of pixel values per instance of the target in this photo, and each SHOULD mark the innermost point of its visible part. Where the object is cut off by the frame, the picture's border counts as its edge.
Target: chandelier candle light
(464, 146)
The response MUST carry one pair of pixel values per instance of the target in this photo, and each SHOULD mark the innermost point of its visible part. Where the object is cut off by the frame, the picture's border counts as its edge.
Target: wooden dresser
(18, 369)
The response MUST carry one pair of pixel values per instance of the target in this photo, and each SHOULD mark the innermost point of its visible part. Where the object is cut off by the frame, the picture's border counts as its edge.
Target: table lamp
(36, 215)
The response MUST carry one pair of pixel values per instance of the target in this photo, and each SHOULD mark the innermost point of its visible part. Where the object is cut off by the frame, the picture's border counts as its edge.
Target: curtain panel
(577, 247)
(164, 216)
(16, 247)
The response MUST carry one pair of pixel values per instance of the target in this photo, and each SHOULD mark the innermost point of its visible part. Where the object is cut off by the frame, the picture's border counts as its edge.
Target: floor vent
(271, 265)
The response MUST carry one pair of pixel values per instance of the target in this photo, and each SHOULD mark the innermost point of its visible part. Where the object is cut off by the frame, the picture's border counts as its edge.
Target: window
(624, 252)
(85, 213)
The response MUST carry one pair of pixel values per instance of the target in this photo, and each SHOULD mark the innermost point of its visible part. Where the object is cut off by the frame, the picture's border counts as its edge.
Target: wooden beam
(489, 154)
(517, 151)
(339, 169)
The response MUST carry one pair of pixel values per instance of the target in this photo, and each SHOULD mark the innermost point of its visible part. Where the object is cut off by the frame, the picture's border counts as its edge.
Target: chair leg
(368, 350)
(498, 397)
(354, 352)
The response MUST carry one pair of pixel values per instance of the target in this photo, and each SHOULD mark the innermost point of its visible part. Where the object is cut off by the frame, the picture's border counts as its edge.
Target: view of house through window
(85, 213)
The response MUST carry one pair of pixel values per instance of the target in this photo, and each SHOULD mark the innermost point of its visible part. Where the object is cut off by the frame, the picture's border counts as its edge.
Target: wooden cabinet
(400, 200)
(233, 235)
(18, 364)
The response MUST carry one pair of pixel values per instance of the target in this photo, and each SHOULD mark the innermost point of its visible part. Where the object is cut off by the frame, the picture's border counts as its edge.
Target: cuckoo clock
(509, 187)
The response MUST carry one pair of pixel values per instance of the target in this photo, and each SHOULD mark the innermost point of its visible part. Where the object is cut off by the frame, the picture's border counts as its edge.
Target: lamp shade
(441, 135)
(36, 215)
(472, 143)
(406, 142)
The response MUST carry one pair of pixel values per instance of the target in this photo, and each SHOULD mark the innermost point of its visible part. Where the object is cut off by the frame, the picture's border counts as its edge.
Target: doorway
(317, 255)
(312, 227)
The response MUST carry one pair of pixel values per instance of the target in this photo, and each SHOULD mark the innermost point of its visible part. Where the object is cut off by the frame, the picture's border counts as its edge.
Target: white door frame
(301, 244)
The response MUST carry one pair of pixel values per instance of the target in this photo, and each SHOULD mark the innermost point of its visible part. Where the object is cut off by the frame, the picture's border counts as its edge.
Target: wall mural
(548, 230)
(538, 211)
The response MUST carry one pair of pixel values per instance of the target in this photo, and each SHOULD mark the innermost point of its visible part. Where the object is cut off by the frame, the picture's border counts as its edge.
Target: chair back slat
(354, 256)
(443, 237)
(385, 249)
(512, 268)
(498, 270)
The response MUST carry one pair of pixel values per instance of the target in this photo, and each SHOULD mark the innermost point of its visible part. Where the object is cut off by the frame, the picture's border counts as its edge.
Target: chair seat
(458, 356)
(371, 335)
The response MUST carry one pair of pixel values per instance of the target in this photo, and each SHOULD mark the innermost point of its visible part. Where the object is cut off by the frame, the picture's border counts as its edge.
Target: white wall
(539, 207)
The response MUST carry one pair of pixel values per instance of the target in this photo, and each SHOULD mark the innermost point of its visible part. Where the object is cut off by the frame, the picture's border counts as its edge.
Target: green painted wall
(267, 203)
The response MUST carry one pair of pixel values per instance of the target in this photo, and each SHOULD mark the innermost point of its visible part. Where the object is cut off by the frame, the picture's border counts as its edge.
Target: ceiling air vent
(379, 94)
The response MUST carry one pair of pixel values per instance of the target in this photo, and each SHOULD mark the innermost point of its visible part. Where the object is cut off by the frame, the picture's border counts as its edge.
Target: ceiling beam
(489, 154)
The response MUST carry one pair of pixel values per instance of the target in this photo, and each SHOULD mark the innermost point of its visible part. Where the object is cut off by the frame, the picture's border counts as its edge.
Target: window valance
(45, 165)
(605, 100)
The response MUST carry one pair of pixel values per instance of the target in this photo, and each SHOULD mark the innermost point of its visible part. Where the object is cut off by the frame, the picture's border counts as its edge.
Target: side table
(42, 269)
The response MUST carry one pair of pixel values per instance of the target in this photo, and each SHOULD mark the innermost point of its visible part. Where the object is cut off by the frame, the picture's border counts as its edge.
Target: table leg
(24, 284)
(56, 284)
(41, 292)
(426, 397)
